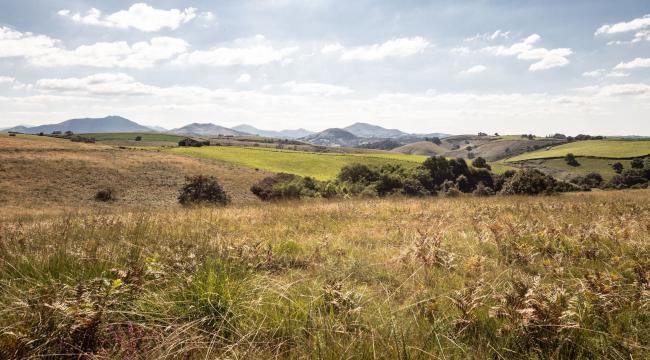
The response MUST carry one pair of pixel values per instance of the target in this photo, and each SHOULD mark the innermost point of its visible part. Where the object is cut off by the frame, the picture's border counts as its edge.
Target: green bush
(529, 182)
(203, 189)
(479, 162)
(265, 189)
(589, 181)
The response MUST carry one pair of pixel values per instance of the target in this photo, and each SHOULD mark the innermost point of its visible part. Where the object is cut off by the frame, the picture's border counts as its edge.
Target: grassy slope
(132, 136)
(560, 169)
(38, 172)
(595, 148)
(318, 165)
(464, 278)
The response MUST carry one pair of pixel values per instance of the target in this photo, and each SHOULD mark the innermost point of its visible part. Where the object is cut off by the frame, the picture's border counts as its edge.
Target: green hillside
(318, 165)
(612, 149)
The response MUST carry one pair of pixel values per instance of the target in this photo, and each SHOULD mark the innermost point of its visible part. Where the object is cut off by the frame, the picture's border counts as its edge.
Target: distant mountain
(87, 125)
(282, 134)
(333, 137)
(157, 128)
(19, 129)
(207, 129)
(365, 130)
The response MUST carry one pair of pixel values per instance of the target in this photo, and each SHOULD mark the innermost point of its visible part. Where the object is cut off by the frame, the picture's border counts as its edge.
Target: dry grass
(40, 171)
(465, 278)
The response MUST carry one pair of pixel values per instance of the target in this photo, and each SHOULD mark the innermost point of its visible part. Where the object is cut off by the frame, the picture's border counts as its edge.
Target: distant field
(596, 148)
(560, 169)
(320, 166)
(131, 136)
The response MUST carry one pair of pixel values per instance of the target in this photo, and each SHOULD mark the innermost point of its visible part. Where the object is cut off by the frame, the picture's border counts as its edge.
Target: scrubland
(505, 277)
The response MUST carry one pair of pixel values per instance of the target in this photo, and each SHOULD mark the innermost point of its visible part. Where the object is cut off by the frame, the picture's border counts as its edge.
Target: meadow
(322, 166)
(464, 278)
(611, 149)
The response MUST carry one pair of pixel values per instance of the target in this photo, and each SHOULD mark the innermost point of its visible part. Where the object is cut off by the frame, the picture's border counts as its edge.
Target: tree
(138, 138)
(637, 163)
(203, 189)
(570, 159)
(529, 182)
(436, 140)
(480, 162)
(618, 167)
(356, 173)
(439, 169)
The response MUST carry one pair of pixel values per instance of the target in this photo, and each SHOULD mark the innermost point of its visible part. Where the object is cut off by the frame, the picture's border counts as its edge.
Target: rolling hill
(611, 149)
(365, 130)
(421, 148)
(333, 137)
(281, 134)
(109, 124)
(206, 129)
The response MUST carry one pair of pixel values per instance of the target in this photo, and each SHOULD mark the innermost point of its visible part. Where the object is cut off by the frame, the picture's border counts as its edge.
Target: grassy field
(321, 166)
(595, 148)
(43, 172)
(561, 277)
(132, 136)
(560, 169)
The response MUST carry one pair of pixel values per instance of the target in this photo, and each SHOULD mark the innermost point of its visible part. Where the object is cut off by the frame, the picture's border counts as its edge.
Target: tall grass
(504, 277)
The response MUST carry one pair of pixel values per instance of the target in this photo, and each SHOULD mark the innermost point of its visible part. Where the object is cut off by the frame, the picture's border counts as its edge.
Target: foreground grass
(595, 148)
(466, 278)
(322, 166)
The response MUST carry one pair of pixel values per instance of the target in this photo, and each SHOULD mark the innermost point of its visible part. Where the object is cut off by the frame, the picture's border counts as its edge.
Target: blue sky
(421, 66)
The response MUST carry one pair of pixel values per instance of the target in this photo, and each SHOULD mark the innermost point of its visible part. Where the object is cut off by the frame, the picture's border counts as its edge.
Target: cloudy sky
(508, 66)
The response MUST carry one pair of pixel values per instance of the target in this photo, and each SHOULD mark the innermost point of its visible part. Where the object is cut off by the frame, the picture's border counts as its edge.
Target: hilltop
(86, 125)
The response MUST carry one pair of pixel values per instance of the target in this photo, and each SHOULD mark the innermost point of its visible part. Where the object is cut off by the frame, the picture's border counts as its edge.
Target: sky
(507, 66)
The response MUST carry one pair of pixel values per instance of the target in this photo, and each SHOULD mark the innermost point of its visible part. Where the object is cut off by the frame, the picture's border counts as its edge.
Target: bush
(413, 187)
(203, 189)
(501, 179)
(529, 182)
(138, 138)
(618, 167)
(482, 191)
(637, 164)
(105, 195)
(591, 180)
(480, 162)
(357, 173)
(266, 188)
(570, 159)
(633, 177)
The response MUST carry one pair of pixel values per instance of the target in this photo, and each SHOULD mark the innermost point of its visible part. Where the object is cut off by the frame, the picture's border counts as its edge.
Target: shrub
(529, 182)
(591, 180)
(637, 164)
(203, 189)
(265, 189)
(618, 167)
(357, 173)
(138, 138)
(462, 184)
(439, 170)
(501, 179)
(570, 159)
(633, 177)
(482, 191)
(413, 187)
(481, 163)
(646, 163)
(105, 195)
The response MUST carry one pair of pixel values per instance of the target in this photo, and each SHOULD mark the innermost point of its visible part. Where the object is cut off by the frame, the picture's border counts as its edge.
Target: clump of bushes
(203, 189)
(529, 182)
(481, 163)
(570, 159)
(589, 181)
(105, 195)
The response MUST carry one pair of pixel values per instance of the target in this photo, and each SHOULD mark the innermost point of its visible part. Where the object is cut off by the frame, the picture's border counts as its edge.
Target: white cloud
(526, 50)
(595, 73)
(97, 84)
(6, 80)
(47, 52)
(139, 55)
(622, 27)
(243, 79)
(402, 47)
(18, 44)
(317, 89)
(489, 36)
(332, 48)
(139, 16)
(624, 90)
(634, 64)
(255, 51)
(473, 70)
